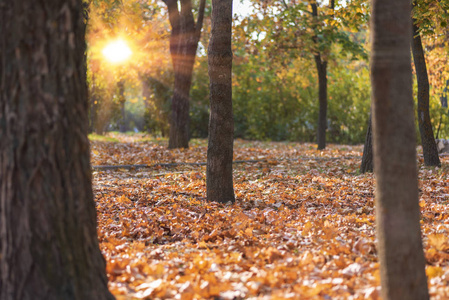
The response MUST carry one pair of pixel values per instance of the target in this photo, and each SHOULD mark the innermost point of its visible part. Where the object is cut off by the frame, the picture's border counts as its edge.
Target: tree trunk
(48, 239)
(400, 248)
(221, 123)
(367, 158)
(322, 96)
(321, 66)
(444, 94)
(184, 40)
(429, 146)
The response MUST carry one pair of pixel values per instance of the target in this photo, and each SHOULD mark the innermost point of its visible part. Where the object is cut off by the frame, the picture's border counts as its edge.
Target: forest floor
(302, 226)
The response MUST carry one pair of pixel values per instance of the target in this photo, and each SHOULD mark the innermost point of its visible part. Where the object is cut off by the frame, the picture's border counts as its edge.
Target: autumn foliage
(302, 226)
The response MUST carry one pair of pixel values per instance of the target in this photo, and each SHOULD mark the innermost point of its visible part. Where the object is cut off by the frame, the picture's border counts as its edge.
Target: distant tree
(430, 150)
(321, 66)
(430, 18)
(185, 35)
(402, 264)
(48, 239)
(367, 158)
(290, 31)
(221, 124)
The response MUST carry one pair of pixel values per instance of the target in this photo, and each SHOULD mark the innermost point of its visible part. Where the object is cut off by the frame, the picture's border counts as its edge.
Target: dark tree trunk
(321, 66)
(402, 264)
(429, 146)
(48, 237)
(184, 40)
(221, 123)
(322, 96)
(367, 158)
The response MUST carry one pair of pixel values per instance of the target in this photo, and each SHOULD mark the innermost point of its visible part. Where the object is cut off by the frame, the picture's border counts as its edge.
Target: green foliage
(439, 117)
(349, 103)
(273, 102)
(199, 100)
(430, 15)
(277, 101)
(281, 104)
(157, 92)
(102, 138)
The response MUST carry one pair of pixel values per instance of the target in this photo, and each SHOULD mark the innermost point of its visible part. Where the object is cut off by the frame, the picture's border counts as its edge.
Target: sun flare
(117, 51)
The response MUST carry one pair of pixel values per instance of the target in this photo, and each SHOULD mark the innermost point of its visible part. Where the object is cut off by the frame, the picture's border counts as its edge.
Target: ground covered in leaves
(302, 226)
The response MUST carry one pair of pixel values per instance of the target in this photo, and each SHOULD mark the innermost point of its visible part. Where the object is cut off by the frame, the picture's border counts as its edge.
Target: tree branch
(173, 14)
(186, 13)
(199, 21)
(316, 55)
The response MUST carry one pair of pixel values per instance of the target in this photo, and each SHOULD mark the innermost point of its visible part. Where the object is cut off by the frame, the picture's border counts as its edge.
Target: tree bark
(321, 65)
(402, 264)
(367, 158)
(48, 240)
(322, 99)
(219, 181)
(184, 40)
(429, 146)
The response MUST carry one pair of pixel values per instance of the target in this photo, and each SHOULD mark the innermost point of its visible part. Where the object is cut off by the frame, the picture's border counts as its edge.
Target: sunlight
(117, 51)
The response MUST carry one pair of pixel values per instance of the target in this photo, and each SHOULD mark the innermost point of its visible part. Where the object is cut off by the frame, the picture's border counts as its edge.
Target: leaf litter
(302, 226)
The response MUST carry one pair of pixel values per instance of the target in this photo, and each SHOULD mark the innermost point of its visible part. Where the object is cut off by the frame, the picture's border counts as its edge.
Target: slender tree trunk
(322, 97)
(397, 211)
(48, 237)
(429, 146)
(321, 66)
(184, 40)
(444, 94)
(221, 123)
(367, 158)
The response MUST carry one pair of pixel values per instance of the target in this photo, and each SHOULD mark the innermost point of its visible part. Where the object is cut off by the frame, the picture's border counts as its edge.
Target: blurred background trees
(275, 80)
